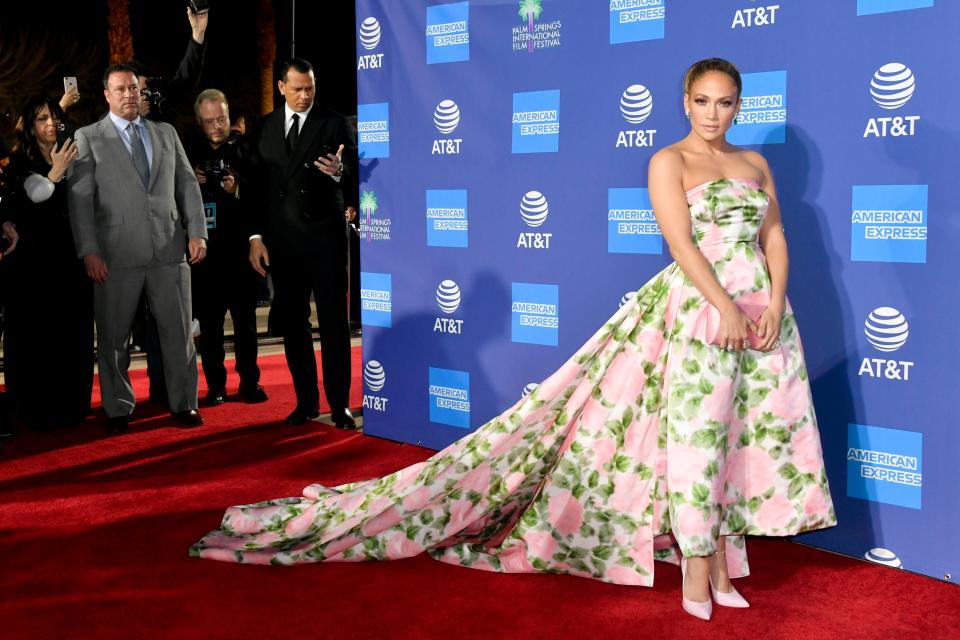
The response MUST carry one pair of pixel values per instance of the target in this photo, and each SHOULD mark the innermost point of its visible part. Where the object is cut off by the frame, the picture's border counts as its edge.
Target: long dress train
(646, 431)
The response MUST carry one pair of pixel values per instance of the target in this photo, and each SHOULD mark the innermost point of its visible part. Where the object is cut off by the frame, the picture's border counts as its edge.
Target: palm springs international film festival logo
(636, 20)
(369, 40)
(889, 223)
(631, 225)
(885, 465)
(891, 88)
(636, 105)
(869, 7)
(534, 34)
(376, 379)
(448, 33)
(536, 122)
(449, 394)
(763, 109)
(886, 329)
(446, 118)
(448, 300)
(534, 211)
(372, 227)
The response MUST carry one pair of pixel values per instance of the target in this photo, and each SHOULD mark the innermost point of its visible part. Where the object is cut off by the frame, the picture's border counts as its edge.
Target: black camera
(215, 171)
(154, 94)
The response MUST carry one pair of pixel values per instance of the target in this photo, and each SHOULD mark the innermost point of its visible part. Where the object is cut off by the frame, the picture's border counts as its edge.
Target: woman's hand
(735, 327)
(768, 327)
(10, 233)
(69, 99)
(61, 159)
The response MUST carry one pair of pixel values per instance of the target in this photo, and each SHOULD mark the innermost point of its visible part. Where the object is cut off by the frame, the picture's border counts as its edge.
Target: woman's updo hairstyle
(698, 69)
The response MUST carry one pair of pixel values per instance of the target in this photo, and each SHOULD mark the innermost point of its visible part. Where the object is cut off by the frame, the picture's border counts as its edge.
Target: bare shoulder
(668, 160)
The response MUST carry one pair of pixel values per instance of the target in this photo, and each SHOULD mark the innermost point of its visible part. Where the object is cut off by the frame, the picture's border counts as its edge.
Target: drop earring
(687, 113)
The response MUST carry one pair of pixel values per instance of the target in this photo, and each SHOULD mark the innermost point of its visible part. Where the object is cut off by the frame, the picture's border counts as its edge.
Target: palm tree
(118, 31)
(368, 204)
(267, 51)
(531, 10)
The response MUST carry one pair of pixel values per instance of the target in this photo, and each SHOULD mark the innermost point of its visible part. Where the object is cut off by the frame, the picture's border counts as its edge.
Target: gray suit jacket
(113, 216)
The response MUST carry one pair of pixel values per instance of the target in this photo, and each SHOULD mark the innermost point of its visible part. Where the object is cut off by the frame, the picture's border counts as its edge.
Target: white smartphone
(69, 84)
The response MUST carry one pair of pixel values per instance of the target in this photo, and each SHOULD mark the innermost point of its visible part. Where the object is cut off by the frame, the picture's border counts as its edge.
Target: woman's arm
(774, 245)
(673, 215)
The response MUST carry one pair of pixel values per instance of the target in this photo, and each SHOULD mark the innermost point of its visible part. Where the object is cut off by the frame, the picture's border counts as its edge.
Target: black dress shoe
(343, 419)
(216, 396)
(300, 415)
(188, 419)
(254, 393)
(118, 424)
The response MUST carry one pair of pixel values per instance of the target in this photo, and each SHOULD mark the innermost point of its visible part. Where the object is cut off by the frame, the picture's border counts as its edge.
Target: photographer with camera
(224, 281)
(159, 97)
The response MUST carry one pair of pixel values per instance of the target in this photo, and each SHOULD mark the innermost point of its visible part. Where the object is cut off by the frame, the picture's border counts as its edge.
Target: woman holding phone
(48, 338)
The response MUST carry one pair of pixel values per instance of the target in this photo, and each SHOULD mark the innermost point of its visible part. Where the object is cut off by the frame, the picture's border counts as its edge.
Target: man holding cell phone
(305, 188)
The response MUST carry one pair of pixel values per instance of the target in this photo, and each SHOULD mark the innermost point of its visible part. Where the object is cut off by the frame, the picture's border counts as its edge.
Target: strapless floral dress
(647, 442)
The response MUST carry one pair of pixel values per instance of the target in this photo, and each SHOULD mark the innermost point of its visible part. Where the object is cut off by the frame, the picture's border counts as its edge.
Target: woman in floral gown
(667, 434)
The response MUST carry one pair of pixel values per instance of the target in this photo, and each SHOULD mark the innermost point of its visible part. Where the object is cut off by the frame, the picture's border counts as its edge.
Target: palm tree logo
(368, 205)
(531, 10)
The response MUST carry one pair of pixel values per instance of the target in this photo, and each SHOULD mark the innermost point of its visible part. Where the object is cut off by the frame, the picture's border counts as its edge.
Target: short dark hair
(297, 64)
(119, 68)
(702, 67)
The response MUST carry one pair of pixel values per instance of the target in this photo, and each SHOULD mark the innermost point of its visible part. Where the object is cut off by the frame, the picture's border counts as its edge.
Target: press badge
(210, 213)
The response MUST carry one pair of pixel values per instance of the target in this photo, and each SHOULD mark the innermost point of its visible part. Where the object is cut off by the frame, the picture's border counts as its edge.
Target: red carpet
(94, 534)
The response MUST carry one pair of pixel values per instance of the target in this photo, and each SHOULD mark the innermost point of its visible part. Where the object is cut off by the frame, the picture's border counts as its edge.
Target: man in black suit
(304, 188)
(224, 281)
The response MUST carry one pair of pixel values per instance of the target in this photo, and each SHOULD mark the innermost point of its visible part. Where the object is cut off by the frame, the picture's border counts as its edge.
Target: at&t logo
(636, 105)
(755, 16)
(448, 299)
(891, 87)
(369, 40)
(376, 379)
(534, 211)
(446, 118)
(883, 556)
(887, 330)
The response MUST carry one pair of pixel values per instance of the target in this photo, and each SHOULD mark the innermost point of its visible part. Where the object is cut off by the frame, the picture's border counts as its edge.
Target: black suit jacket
(301, 208)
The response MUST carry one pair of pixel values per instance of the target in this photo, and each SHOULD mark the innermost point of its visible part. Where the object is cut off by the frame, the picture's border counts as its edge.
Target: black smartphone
(61, 135)
(329, 149)
(199, 6)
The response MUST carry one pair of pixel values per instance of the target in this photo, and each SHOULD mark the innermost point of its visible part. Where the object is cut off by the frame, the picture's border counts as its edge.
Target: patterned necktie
(294, 134)
(139, 155)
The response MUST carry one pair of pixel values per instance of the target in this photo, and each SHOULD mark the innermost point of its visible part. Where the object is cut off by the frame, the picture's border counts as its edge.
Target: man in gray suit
(136, 213)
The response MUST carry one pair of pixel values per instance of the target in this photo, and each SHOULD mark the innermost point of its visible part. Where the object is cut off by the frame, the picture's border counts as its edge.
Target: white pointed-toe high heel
(702, 610)
(731, 598)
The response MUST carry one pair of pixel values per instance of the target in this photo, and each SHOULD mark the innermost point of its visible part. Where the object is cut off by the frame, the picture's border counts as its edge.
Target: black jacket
(300, 208)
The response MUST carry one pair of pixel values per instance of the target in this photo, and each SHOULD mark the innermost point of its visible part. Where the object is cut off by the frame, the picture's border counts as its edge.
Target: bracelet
(57, 180)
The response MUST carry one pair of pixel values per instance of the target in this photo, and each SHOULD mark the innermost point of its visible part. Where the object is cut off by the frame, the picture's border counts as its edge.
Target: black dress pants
(294, 279)
(219, 287)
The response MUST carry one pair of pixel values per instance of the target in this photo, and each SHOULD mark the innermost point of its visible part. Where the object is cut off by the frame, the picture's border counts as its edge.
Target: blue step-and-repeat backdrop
(504, 149)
